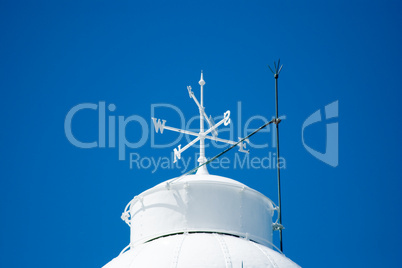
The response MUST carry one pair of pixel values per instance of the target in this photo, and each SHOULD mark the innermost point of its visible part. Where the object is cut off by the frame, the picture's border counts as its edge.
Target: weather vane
(202, 135)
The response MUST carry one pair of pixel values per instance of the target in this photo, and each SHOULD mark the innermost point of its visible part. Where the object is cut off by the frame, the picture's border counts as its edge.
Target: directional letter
(177, 153)
(227, 119)
(158, 125)
(242, 146)
(189, 91)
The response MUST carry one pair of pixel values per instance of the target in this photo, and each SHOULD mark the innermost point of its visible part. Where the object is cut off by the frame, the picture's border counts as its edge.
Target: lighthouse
(200, 219)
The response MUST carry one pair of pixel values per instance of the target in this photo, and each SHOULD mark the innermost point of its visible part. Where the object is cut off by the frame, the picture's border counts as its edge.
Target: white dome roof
(200, 221)
(200, 203)
(200, 250)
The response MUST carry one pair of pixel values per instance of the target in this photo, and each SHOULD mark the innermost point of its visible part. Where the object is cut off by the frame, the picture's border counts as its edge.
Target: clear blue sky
(60, 205)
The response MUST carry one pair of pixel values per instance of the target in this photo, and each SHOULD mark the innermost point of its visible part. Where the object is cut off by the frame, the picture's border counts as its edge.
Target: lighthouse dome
(201, 250)
(200, 221)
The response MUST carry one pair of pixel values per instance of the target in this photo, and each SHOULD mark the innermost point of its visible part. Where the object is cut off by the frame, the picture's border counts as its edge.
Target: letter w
(158, 125)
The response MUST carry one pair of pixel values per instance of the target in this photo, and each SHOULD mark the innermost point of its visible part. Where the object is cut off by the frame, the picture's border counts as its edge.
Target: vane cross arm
(182, 131)
(177, 152)
(241, 145)
(161, 126)
(220, 140)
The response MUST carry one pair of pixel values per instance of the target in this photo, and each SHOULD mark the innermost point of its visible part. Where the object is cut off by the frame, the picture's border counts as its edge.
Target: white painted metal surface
(200, 203)
(202, 251)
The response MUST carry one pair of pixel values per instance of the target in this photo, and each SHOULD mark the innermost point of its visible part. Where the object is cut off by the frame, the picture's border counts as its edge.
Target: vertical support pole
(202, 143)
(278, 69)
(202, 159)
(276, 75)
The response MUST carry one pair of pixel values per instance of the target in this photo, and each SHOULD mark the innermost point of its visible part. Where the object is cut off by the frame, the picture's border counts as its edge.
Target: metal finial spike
(202, 82)
(280, 69)
(271, 69)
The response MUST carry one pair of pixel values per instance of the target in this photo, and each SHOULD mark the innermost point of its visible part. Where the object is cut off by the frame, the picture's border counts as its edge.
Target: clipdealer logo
(112, 134)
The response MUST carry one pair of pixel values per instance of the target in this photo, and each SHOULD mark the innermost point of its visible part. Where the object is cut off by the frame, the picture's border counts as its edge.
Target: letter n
(177, 153)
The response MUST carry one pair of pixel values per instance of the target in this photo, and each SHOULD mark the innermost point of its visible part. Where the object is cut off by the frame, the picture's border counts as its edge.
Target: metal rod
(202, 158)
(202, 144)
(276, 75)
